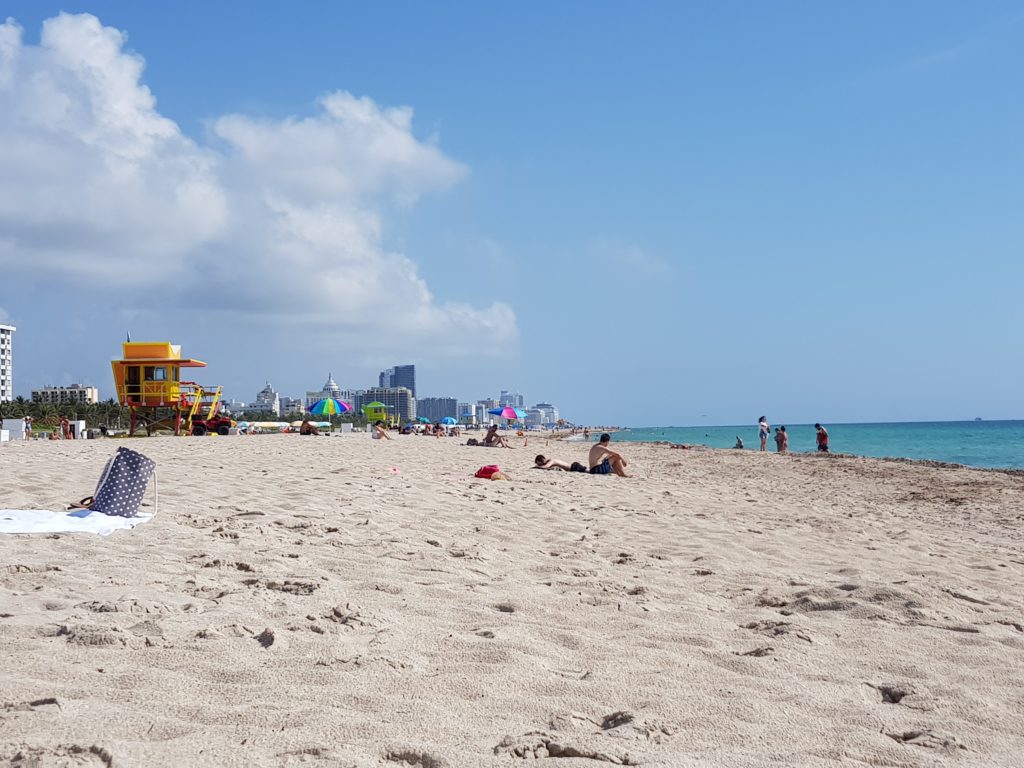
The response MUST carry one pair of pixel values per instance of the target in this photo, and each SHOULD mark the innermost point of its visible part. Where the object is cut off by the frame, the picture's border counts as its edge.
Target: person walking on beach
(822, 435)
(603, 460)
(763, 430)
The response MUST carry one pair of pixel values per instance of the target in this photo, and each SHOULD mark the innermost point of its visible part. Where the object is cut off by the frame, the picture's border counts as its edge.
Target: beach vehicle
(217, 423)
(148, 383)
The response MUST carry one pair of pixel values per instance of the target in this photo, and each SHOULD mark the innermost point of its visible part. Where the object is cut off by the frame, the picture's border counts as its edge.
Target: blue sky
(654, 214)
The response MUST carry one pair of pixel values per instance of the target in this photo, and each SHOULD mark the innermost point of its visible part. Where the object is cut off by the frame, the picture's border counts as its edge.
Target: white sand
(298, 602)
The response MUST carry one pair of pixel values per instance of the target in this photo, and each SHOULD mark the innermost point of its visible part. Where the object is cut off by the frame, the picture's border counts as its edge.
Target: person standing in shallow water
(781, 440)
(822, 435)
(763, 430)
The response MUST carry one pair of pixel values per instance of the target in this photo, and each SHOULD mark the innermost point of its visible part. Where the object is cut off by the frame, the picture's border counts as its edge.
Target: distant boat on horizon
(977, 418)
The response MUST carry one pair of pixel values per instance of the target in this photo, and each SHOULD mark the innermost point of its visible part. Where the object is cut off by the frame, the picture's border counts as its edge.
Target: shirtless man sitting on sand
(603, 460)
(492, 438)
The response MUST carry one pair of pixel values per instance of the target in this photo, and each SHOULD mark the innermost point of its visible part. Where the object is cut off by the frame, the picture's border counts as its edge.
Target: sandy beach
(339, 601)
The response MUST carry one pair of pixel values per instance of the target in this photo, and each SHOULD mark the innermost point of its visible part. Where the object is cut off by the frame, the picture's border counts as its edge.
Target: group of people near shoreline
(782, 437)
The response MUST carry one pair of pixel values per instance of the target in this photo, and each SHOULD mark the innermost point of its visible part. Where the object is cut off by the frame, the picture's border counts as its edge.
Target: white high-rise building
(329, 390)
(514, 399)
(549, 413)
(268, 400)
(6, 363)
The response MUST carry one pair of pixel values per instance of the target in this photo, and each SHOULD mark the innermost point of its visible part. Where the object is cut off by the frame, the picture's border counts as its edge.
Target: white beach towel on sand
(78, 521)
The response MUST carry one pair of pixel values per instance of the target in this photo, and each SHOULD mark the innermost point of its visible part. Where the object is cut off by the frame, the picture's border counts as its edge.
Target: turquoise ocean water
(975, 443)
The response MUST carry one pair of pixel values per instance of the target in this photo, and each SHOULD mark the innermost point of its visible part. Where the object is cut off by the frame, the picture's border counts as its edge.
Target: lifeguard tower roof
(157, 352)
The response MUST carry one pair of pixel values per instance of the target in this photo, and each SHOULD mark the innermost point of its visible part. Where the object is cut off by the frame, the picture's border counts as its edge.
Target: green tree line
(113, 415)
(108, 413)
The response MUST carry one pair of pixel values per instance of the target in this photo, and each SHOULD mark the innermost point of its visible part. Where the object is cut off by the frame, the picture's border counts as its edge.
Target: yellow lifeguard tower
(375, 412)
(148, 383)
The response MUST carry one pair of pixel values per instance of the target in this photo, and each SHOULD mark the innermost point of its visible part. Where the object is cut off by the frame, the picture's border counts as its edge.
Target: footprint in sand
(416, 758)
(70, 754)
(929, 740)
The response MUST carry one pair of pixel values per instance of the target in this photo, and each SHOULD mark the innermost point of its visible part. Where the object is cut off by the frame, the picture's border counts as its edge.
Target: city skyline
(268, 396)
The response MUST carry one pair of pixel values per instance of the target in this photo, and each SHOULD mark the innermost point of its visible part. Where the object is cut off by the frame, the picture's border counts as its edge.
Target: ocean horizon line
(975, 420)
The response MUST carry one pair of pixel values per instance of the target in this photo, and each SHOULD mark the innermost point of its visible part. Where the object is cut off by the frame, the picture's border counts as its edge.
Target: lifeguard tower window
(154, 373)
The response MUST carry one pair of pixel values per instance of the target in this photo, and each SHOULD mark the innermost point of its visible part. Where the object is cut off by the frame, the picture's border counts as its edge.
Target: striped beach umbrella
(330, 407)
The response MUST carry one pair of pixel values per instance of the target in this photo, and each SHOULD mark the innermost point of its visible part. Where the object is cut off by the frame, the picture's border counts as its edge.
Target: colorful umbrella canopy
(508, 412)
(448, 420)
(422, 419)
(330, 407)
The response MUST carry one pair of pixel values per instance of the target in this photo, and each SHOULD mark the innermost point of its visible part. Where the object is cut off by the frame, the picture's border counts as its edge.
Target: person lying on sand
(492, 438)
(604, 461)
(544, 463)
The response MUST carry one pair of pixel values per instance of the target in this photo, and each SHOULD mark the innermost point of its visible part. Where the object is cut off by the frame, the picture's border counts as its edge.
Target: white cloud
(271, 220)
(92, 178)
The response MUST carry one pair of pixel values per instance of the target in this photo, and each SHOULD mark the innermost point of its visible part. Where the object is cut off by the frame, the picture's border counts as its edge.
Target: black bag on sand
(577, 467)
(122, 484)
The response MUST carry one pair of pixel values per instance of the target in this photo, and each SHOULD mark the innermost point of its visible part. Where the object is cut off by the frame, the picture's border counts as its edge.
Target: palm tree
(44, 413)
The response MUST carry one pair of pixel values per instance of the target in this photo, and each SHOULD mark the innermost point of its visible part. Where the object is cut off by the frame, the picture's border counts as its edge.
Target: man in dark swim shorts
(604, 461)
(822, 435)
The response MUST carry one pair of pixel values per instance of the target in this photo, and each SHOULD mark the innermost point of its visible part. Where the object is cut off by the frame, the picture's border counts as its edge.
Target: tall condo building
(514, 399)
(399, 376)
(436, 408)
(6, 363)
(399, 401)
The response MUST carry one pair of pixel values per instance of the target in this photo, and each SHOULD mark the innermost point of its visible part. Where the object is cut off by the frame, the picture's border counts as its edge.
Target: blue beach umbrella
(448, 420)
